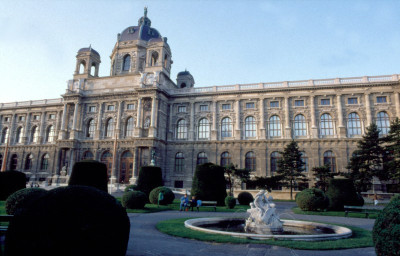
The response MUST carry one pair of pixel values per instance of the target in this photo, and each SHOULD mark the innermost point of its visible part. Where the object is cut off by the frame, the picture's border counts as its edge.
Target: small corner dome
(183, 73)
(89, 49)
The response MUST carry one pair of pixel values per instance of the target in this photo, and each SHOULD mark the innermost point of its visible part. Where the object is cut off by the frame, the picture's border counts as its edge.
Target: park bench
(212, 204)
(360, 209)
(3, 228)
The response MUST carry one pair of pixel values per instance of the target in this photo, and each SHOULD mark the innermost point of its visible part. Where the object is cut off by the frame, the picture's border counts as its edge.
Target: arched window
(82, 67)
(274, 126)
(226, 127)
(110, 128)
(330, 159)
(129, 127)
(353, 125)
(34, 134)
(225, 159)
(300, 127)
(154, 58)
(125, 172)
(202, 158)
(14, 162)
(127, 63)
(19, 134)
(87, 155)
(326, 125)
(91, 129)
(275, 156)
(45, 162)
(250, 161)
(250, 127)
(106, 158)
(304, 158)
(50, 134)
(28, 162)
(204, 129)
(93, 69)
(383, 123)
(181, 130)
(165, 61)
(179, 162)
(4, 135)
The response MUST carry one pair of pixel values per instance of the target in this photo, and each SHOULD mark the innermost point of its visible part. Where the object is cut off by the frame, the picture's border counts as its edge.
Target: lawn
(297, 210)
(2, 207)
(361, 238)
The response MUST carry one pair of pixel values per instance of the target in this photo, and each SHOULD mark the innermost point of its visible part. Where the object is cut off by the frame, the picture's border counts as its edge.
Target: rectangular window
(325, 102)
(178, 184)
(274, 104)
(203, 107)
(299, 103)
(110, 107)
(130, 106)
(6, 119)
(36, 117)
(381, 99)
(52, 116)
(182, 109)
(92, 109)
(352, 101)
(226, 106)
(250, 105)
(21, 118)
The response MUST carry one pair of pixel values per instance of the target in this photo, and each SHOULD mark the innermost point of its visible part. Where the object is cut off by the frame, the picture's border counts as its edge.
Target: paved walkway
(147, 240)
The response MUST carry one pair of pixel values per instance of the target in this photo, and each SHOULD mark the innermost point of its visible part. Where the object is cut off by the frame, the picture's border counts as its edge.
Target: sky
(220, 42)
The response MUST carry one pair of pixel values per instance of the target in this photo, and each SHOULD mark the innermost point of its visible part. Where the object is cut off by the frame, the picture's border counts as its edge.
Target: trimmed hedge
(312, 199)
(386, 231)
(130, 188)
(89, 173)
(245, 198)
(10, 182)
(23, 198)
(209, 183)
(342, 192)
(230, 202)
(72, 220)
(169, 196)
(150, 177)
(134, 200)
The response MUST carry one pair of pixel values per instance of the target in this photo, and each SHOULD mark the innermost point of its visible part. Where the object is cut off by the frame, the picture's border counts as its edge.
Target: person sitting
(184, 202)
(193, 203)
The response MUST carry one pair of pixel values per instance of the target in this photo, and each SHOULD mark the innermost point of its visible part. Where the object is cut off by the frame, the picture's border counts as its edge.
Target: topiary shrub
(23, 198)
(150, 177)
(134, 199)
(72, 220)
(395, 197)
(11, 181)
(169, 196)
(312, 199)
(130, 188)
(230, 202)
(209, 183)
(89, 173)
(386, 231)
(245, 198)
(342, 192)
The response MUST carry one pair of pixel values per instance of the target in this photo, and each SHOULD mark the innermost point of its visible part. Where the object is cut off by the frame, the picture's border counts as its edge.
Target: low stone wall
(281, 195)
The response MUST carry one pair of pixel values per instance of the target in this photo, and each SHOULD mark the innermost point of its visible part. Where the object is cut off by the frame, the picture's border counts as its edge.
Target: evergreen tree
(322, 176)
(366, 161)
(232, 174)
(291, 167)
(392, 151)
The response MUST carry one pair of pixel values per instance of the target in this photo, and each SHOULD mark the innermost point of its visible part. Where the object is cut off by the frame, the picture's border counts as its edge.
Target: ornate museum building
(121, 118)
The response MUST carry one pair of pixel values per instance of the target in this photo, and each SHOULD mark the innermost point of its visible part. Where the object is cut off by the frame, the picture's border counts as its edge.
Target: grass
(2, 207)
(297, 210)
(360, 238)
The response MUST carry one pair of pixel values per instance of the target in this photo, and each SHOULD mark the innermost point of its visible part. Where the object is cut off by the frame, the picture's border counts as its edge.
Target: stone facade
(138, 109)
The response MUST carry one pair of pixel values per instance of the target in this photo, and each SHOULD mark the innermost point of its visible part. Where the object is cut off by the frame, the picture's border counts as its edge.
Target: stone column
(341, 127)
(368, 110)
(71, 161)
(237, 134)
(154, 110)
(61, 135)
(191, 127)
(75, 121)
(57, 127)
(288, 129)
(138, 127)
(42, 131)
(262, 120)
(314, 128)
(118, 130)
(397, 103)
(170, 129)
(214, 125)
(98, 134)
(132, 180)
(25, 137)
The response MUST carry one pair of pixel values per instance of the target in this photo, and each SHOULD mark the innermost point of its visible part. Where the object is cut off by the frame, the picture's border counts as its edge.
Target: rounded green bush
(230, 202)
(131, 187)
(245, 198)
(23, 198)
(312, 199)
(10, 182)
(89, 173)
(168, 196)
(342, 192)
(150, 177)
(386, 231)
(134, 199)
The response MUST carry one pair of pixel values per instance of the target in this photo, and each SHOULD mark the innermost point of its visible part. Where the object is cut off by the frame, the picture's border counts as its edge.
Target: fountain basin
(292, 229)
